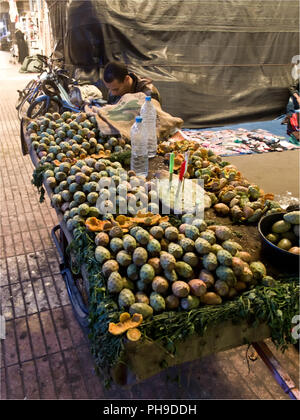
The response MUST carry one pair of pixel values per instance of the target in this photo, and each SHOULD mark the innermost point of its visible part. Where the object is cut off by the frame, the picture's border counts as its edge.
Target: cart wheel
(40, 107)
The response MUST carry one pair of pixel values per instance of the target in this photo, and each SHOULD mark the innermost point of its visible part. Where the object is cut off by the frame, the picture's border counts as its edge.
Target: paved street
(45, 355)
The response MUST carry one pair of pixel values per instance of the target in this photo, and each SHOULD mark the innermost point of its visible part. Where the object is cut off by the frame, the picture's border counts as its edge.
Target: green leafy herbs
(38, 178)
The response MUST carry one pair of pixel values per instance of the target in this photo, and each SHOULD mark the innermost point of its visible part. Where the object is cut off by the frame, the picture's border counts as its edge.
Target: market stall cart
(211, 317)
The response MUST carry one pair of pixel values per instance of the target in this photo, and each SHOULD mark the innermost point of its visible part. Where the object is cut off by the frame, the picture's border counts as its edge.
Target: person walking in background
(22, 45)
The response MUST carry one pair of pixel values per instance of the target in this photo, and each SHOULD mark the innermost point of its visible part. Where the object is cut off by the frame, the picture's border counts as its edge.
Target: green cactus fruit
(223, 233)
(65, 167)
(183, 270)
(83, 209)
(157, 302)
(80, 178)
(292, 217)
(92, 197)
(187, 244)
(222, 288)
(70, 225)
(66, 215)
(160, 285)
(70, 179)
(79, 197)
(73, 212)
(180, 289)
(142, 236)
(63, 185)
(116, 232)
(134, 230)
(95, 177)
(200, 224)
(132, 272)
(124, 258)
(91, 186)
(94, 212)
(141, 286)
(74, 187)
(157, 232)
(191, 259)
(129, 243)
(258, 269)
(175, 250)
(141, 308)
(102, 239)
(108, 267)
(202, 246)
(232, 247)
(167, 261)
(253, 191)
(190, 302)
(209, 236)
(126, 298)
(226, 274)
(224, 257)
(268, 281)
(139, 256)
(171, 233)
(147, 273)
(51, 182)
(164, 225)
(141, 297)
(171, 275)
(102, 254)
(153, 247)
(187, 218)
(210, 261)
(128, 284)
(155, 262)
(56, 200)
(60, 176)
(191, 232)
(115, 283)
(215, 248)
(47, 174)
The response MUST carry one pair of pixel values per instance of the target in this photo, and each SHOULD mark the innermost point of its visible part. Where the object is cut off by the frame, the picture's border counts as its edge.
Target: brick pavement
(45, 355)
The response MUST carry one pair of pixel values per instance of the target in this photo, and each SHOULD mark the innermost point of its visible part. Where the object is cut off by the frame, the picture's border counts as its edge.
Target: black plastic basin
(276, 255)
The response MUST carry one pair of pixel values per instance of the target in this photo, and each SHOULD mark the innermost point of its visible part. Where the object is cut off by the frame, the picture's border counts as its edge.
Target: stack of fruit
(71, 136)
(167, 268)
(285, 233)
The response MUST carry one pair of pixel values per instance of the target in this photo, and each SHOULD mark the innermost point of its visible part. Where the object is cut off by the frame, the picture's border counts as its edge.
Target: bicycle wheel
(23, 108)
(31, 96)
(23, 93)
(40, 107)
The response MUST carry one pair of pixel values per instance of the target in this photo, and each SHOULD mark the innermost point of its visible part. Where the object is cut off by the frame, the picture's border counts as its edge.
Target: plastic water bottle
(148, 113)
(139, 156)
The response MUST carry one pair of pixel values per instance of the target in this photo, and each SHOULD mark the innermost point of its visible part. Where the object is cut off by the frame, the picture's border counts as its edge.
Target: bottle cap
(148, 98)
(138, 119)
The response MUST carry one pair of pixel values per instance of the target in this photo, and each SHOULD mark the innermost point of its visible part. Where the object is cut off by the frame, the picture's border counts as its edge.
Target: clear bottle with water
(139, 156)
(148, 113)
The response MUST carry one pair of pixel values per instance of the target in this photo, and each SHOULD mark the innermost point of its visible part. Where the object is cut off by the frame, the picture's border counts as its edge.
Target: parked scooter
(34, 88)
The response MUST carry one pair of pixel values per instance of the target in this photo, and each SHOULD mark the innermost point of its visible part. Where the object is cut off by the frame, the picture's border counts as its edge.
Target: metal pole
(280, 375)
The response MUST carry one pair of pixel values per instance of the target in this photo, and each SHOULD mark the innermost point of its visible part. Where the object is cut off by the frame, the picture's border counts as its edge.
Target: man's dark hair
(115, 70)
